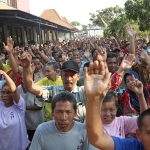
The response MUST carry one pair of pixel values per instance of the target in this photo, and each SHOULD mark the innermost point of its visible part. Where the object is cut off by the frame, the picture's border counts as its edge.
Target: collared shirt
(50, 91)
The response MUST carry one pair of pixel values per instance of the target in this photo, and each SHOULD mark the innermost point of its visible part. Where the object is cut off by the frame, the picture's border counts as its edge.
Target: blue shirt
(127, 144)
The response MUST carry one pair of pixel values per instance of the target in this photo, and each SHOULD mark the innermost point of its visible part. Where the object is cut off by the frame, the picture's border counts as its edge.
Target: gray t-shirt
(48, 137)
(32, 117)
(78, 92)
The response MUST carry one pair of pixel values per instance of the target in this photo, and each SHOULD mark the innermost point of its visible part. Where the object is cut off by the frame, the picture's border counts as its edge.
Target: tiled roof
(53, 16)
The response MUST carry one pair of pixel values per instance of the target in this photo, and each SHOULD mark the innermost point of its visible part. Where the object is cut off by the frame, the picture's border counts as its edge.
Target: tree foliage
(75, 23)
(139, 11)
(107, 14)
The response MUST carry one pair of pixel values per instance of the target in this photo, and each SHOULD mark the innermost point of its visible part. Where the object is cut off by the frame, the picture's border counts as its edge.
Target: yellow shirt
(46, 82)
(6, 67)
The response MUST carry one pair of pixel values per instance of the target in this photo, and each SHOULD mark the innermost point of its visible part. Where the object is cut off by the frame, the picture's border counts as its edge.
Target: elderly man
(70, 76)
(62, 132)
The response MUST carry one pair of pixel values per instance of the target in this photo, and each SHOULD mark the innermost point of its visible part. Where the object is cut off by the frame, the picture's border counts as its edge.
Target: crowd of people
(84, 94)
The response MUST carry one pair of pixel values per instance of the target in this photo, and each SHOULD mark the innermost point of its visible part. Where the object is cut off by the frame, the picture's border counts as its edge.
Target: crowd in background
(32, 77)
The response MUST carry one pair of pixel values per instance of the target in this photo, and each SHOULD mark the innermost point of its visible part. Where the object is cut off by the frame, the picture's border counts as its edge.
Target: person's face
(50, 73)
(37, 65)
(60, 61)
(64, 114)
(129, 82)
(78, 61)
(143, 135)
(112, 64)
(6, 95)
(56, 55)
(70, 54)
(69, 79)
(108, 112)
(76, 54)
(107, 46)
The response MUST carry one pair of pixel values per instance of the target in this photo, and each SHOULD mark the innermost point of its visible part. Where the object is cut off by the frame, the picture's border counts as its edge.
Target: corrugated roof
(53, 16)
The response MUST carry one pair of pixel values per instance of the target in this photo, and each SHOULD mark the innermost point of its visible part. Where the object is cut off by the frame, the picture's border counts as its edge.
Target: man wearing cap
(70, 76)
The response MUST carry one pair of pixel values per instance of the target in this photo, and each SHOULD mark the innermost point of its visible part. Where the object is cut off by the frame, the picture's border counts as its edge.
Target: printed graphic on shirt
(80, 147)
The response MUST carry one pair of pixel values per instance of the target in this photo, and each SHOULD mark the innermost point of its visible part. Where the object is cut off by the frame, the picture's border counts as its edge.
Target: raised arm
(137, 88)
(12, 86)
(127, 63)
(142, 54)
(27, 78)
(96, 82)
(9, 49)
(42, 55)
(131, 32)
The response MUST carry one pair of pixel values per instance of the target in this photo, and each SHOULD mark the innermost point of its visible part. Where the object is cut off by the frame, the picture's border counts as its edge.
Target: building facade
(25, 28)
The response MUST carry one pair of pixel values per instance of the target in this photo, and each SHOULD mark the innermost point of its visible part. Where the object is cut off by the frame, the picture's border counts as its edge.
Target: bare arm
(12, 87)
(137, 88)
(9, 49)
(27, 78)
(95, 83)
(35, 108)
(42, 55)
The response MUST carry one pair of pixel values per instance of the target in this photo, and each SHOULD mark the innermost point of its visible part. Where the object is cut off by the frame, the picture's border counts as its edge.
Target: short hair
(64, 97)
(53, 64)
(5, 84)
(35, 58)
(77, 58)
(111, 97)
(141, 117)
(111, 55)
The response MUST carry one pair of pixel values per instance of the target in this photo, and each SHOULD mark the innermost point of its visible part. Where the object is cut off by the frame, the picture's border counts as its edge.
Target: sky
(73, 10)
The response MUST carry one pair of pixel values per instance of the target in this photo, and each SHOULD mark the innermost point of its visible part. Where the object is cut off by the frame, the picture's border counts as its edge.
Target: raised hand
(9, 46)
(137, 86)
(87, 52)
(26, 59)
(96, 79)
(101, 54)
(127, 62)
(142, 54)
(130, 30)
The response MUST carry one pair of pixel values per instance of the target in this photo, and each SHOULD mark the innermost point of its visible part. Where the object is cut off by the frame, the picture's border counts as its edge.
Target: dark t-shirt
(127, 144)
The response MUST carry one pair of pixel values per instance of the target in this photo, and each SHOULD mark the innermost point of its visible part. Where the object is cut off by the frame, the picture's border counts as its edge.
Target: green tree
(75, 23)
(106, 15)
(84, 27)
(139, 10)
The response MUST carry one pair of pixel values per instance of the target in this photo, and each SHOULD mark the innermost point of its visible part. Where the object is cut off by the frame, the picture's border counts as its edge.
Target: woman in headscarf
(129, 99)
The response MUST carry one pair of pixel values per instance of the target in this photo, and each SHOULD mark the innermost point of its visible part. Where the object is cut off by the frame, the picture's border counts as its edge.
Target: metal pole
(40, 34)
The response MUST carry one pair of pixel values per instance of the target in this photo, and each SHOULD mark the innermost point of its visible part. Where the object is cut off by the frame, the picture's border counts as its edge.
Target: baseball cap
(116, 49)
(70, 65)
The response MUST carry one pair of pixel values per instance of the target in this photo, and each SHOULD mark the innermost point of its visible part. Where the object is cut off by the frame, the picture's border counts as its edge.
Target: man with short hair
(70, 76)
(62, 132)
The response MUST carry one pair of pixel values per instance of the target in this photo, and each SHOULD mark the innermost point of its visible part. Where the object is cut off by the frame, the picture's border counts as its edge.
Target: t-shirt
(6, 67)
(32, 117)
(48, 137)
(13, 135)
(39, 75)
(127, 144)
(121, 126)
(46, 82)
(78, 92)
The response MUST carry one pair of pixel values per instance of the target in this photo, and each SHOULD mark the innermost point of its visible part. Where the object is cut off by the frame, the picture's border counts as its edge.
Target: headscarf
(133, 97)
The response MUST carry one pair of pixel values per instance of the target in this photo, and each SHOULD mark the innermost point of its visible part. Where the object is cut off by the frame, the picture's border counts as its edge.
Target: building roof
(5, 7)
(53, 16)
